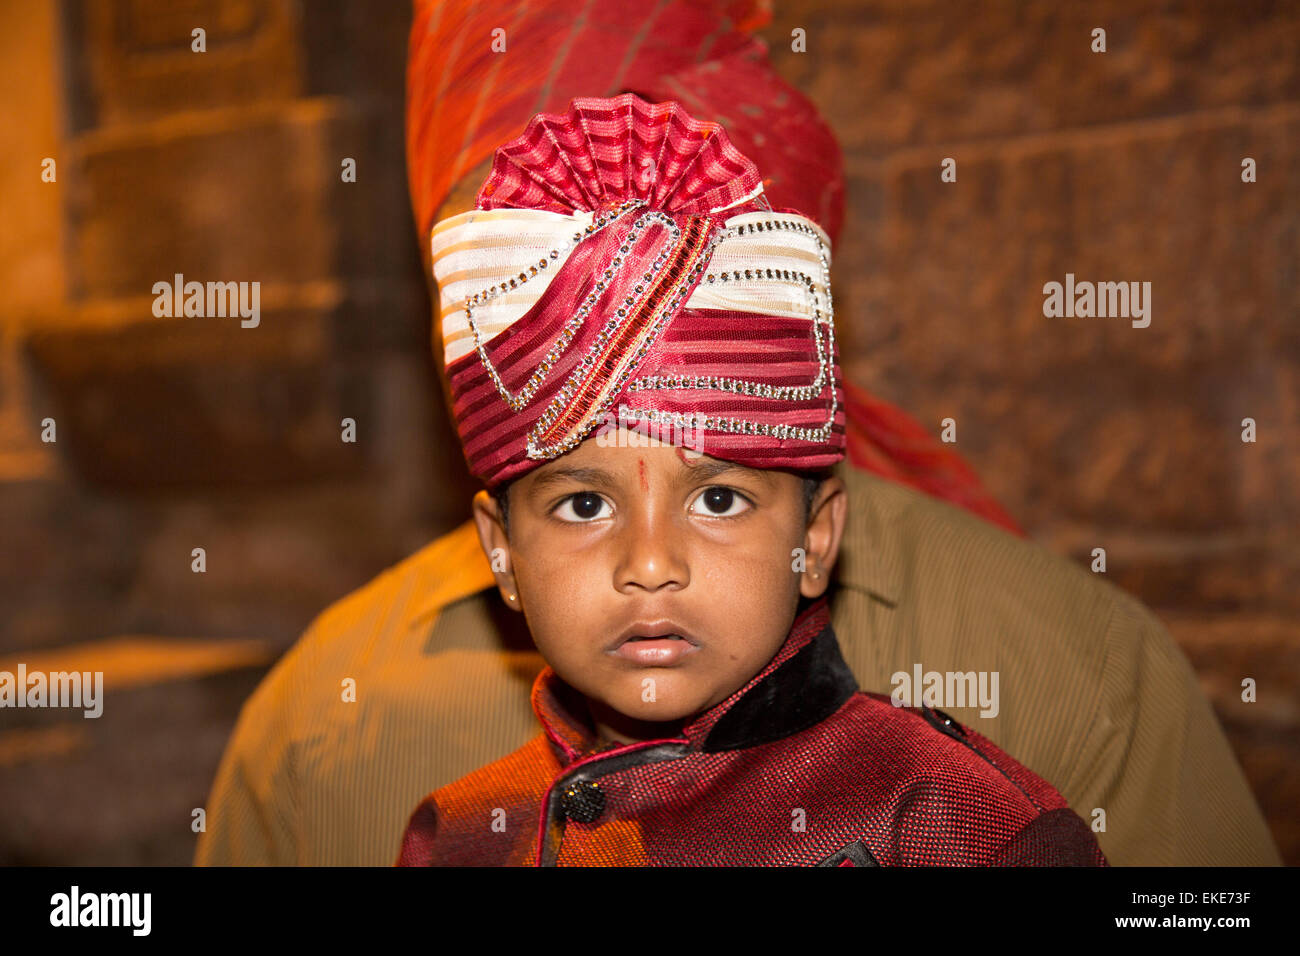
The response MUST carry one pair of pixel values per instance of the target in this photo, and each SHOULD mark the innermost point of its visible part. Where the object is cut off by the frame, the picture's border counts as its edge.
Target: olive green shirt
(1094, 696)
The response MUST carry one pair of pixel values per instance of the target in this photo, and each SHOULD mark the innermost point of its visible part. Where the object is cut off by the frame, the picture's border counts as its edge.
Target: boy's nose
(650, 556)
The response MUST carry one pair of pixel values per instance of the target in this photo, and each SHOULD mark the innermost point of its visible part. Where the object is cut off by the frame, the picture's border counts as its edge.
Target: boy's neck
(614, 728)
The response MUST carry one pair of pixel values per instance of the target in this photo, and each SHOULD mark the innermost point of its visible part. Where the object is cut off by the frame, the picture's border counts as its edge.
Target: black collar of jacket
(803, 691)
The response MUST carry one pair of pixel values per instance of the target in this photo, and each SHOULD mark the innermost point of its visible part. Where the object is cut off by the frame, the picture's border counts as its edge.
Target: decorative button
(582, 801)
(943, 722)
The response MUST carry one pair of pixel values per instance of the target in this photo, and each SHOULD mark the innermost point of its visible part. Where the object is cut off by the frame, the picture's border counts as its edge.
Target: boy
(696, 709)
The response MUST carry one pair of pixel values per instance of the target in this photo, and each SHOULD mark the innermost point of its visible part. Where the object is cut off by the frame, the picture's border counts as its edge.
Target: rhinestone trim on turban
(639, 295)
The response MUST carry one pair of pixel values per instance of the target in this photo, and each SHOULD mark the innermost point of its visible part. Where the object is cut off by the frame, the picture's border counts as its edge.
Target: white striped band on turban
(538, 344)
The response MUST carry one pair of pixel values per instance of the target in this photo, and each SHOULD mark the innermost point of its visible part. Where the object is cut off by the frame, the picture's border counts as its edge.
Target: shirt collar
(806, 681)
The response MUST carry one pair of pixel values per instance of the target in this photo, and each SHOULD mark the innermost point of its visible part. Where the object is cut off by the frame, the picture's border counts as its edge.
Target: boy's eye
(719, 502)
(584, 506)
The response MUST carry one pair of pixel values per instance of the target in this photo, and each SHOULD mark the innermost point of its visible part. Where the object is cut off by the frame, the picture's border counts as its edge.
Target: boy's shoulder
(950, 788)
(488, 816)
(913, 745)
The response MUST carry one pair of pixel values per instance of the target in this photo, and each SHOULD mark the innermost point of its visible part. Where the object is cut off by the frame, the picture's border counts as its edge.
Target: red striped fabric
(603, 152)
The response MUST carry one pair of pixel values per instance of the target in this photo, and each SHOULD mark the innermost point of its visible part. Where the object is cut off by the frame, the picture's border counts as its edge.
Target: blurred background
(174, 434)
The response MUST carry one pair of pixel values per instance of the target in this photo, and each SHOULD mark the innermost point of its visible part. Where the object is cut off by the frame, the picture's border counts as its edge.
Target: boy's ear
(822, 539)
(496, 546)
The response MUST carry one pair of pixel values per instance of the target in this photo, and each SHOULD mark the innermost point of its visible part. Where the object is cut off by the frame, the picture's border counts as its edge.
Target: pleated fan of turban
(758, 183)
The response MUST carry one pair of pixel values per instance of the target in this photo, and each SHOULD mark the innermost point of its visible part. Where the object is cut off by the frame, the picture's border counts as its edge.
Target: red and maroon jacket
(797, 767)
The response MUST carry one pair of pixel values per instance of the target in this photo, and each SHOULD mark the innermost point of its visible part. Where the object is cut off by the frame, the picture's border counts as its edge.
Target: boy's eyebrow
(703, 469)
(706, 468)
(586, 476)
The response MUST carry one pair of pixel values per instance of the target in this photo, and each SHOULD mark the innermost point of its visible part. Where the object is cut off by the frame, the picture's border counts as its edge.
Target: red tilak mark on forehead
(640, 463)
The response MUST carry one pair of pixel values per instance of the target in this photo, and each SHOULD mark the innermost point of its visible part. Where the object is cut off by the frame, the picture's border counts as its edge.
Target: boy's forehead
(623, 456)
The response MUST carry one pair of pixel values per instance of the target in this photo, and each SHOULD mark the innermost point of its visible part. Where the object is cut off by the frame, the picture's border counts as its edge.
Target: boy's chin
(662, 710)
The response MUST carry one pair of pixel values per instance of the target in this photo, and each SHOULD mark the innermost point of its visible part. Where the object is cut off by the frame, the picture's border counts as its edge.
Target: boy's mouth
(654, 650)
(643, 631)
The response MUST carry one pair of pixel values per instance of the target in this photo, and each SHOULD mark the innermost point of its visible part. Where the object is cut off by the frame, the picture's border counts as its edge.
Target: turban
(479, 73)
(623, 257)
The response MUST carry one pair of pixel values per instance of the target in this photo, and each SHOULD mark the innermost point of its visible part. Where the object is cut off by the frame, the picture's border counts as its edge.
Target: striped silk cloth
(651, 285)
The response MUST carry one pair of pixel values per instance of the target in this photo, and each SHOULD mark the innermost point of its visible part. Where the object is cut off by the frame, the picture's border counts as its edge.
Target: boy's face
(612, 541)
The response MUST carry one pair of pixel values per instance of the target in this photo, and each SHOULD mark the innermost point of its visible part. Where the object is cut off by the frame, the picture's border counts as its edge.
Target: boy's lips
(655, 651)
(646, 631)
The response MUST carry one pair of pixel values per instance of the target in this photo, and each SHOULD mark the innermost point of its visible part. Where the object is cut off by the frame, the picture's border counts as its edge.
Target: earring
(816, 574)
(511, 597)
